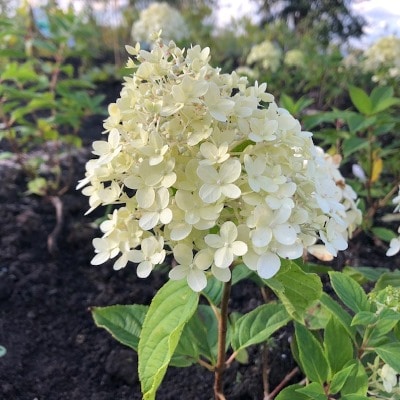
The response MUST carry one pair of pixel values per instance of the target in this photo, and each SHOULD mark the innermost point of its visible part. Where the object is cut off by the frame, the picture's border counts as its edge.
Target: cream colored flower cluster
(383, 58)
(394, 246)
(294, 58)
(266, 55)
(160, 16)
(203, 166)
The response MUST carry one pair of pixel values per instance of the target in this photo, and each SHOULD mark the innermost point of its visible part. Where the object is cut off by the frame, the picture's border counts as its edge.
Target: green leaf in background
(361, 100)
(199, 337)
(358, 122)
(258, 325)
(383, 233)
(171, 308)
(353, 144)
(213, 291)
(124, 322)
(340, 378)
(382, 98)
(357, 382)
(350, 292)
(364, 274)
(311, 356)
(387, 320)
(354, 397)
(301, 290)
(338, 346)
(314, 391)
(390, 354)
(389, 278)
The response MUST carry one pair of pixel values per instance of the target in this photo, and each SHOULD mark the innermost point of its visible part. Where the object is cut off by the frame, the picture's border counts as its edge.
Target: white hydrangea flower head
(394, 245)
(389, 377)
(204, 167)
(383, 58)
(265, 54)
(294, 58)
(160, 17)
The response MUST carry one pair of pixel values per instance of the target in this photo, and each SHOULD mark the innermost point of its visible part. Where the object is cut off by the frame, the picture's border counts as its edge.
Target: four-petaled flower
(226, 245)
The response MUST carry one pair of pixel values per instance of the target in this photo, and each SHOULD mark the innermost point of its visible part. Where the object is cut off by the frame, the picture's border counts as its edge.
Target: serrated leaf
(338, 346)
(258, 325)
(390, 353)
(389, 278)
(124, 322)
(343, 316)
(357, 382)
(291, 393)
(364, 318)
(314, 391)
(301, 290)
(170, 310)
(353, 144)
(361, 100)
(312, 358)
(340, 378)
(350, 292)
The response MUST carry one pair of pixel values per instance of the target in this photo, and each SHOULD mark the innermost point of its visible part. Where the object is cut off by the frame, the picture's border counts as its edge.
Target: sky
(383, 16)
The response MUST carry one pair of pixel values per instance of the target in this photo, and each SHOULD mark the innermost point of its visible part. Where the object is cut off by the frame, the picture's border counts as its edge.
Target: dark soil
(54, 349)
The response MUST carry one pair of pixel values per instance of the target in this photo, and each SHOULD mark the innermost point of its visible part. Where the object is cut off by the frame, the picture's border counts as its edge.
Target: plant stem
(222, 329)
(282, 384)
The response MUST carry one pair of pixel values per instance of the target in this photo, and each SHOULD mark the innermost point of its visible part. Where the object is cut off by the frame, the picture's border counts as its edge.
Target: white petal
(207, 174)
(100, 258)
(178, 272)
(230, 171)
(121, 262)
(228, 232)
(183, 254)
(149, 220)
(291, 252)
(214, 241)
(261, 237)
(394, 247)
(210, 193)
(143, 270)
(230, 190)
(285, 234)
(197, 280)
(203, 259)
(222, 274)
(239, 248)
(223, 257)
(268, 265)
(145, 197)
(180, 231)
(166, 216)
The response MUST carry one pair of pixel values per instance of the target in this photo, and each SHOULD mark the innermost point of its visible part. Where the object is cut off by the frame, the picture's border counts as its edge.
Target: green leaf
(383, 233)
(354, 397)
(357, 382)
(258, 325)
(390, 353)
(312, 359)
(213, 291)
(358, 122)
(314, 391)
(350, 292)
(389, 278)
(171, 308)
(364, 318)
(240, 272)
(340, 378)
(301, 290)
(124, 322)
(380, 93)
(338, 346)
(353, 144)
(343, 316)
(291, 393)
(361, 100)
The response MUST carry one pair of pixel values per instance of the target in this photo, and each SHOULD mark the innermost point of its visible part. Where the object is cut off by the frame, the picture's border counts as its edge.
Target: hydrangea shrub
(160, 16)
(204, 167)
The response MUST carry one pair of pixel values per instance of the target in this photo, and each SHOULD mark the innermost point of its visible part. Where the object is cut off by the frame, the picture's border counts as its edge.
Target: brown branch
(222, 329)
(282, 384)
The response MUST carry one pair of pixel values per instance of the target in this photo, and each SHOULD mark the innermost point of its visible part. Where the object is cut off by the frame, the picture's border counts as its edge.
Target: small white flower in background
(383, 59)
(394, 246)
(160, 16)
(294, 58)
(265, 54)
(203, 166)
(389, 377)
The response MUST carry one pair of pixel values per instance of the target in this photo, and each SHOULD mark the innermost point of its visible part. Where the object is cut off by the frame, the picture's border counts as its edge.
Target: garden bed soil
(54, 349)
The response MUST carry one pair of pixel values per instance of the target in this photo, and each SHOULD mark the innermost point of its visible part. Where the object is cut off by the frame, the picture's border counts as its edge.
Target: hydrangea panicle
(207, 168)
